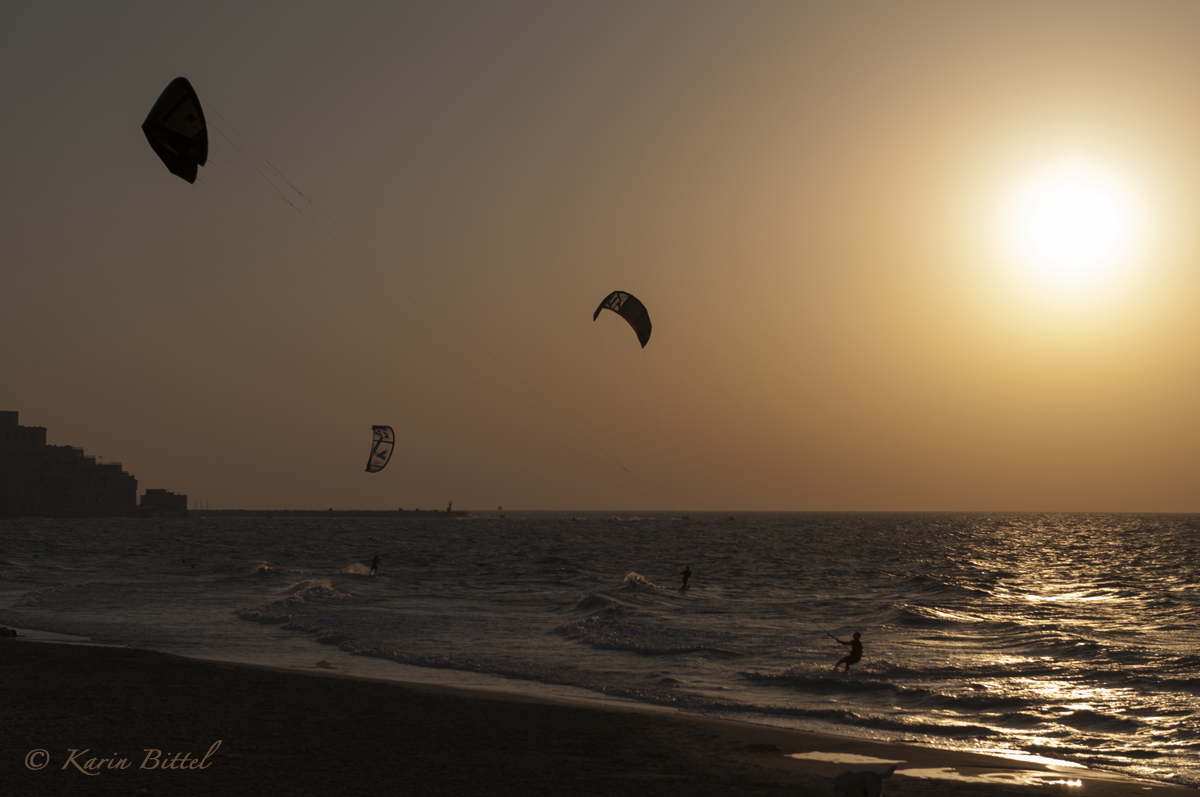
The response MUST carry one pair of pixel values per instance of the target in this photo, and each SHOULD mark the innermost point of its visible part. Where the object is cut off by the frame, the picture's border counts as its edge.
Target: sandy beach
(314, 733)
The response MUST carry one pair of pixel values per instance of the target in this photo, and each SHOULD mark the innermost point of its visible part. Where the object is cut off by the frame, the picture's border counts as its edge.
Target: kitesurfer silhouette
(374, 565)
(685, 575)
(855, 651)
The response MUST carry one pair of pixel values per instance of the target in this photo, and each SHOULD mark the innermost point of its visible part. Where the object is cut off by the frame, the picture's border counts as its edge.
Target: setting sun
(1074, 226)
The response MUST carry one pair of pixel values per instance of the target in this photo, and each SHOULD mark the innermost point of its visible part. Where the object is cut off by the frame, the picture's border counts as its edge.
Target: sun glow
(1073, 226)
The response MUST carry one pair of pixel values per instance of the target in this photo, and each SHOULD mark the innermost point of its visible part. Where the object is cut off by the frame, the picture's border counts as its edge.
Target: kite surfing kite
(176, 130)
(628, 307)
(383, 440)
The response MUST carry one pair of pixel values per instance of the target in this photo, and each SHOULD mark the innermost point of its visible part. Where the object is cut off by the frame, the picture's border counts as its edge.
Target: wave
(1187, 685)
(915, 615)
(665, 691)
(939, 586)
(638, 580)
(1187, 663)
(594, 603)
(281, 610)
(1096, 722)
(262, 568)
(1020, 721)
(608, 632)
(823, 682)
(312, 589)
(84, 595)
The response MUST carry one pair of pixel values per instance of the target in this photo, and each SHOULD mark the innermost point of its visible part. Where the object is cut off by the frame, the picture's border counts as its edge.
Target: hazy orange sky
(804, 195)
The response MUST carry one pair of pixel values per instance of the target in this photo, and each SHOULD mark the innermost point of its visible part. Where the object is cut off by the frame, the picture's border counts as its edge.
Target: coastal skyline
(830, 213)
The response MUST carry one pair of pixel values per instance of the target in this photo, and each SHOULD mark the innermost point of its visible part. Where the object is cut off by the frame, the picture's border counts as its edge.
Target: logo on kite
(383, 440)
(176, 130)
(628, 307)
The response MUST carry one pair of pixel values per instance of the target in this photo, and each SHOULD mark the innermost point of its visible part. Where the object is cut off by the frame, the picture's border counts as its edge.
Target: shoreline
(321, 731)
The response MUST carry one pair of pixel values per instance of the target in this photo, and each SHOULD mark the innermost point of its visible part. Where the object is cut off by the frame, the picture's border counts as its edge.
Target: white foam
(845, 758)
(1013, 777)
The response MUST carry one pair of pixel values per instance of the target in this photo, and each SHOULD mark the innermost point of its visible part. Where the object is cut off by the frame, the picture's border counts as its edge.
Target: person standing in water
(685, 575)
(374, 565)
(855, 651)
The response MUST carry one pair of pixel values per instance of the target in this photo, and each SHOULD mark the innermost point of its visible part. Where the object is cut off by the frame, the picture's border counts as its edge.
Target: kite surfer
(685, 575)
(375, 566)
(855, 651)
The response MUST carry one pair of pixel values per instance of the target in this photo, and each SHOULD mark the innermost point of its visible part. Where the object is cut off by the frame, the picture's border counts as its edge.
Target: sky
(411, 211)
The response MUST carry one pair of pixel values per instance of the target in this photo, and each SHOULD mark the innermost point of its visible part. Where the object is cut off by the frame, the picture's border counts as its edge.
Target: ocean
(1074, 637)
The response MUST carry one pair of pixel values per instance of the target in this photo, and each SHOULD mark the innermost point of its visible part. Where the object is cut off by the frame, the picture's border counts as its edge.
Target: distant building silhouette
(14, 437)
(164, 502)
(40, 479)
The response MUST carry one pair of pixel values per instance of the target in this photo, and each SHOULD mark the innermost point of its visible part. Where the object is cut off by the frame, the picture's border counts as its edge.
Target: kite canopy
(628, 307)
(383, 440)
(176, 129)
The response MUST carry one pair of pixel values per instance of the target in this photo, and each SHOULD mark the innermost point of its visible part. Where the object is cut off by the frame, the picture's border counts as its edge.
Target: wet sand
(287, 732)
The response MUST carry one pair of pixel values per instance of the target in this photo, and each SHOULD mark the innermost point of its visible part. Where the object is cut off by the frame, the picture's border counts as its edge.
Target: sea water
(1070, 636)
